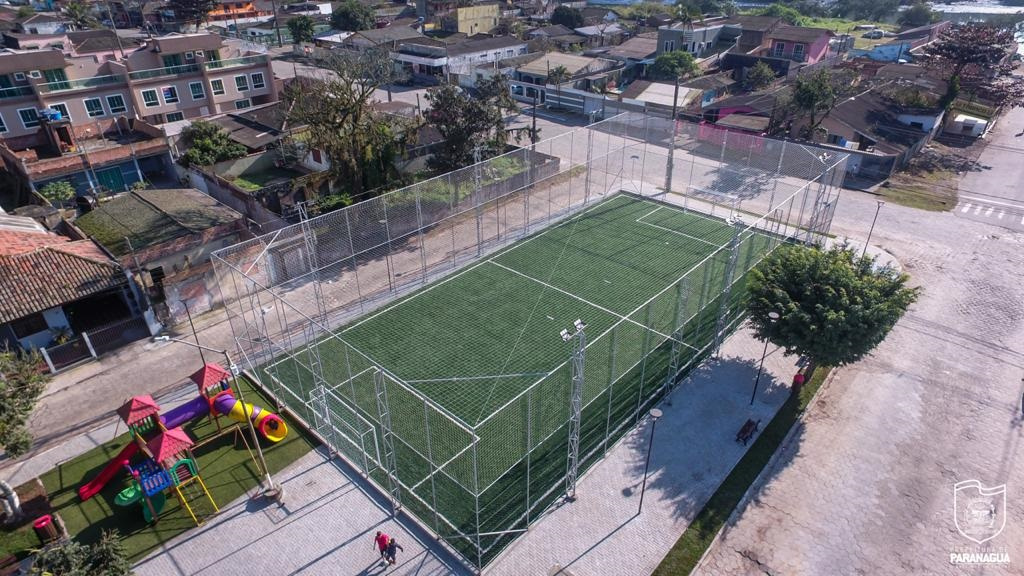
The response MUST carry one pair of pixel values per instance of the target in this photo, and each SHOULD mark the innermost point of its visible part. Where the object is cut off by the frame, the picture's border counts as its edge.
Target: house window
(19, 76)
(116, 103)
(242, 104)
(670, 45)
(835, 139)
(170, 94)
(242, 83)
(780, 48)
(149, 98)
(3, 125)
(93, 107)
(175, 116)
(258, 81)
(317, 156)
(798, 51)
(196, 88)
(189, 56)
(29, 117)
(217, 86)
(63, 109)
(29, 325)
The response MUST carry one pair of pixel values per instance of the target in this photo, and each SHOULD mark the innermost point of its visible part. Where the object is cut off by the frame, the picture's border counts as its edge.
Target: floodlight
(565, 335)
(579, 324)
(161, 338)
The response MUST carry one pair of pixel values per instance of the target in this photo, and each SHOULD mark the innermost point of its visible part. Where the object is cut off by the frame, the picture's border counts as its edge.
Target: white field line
(640, 220)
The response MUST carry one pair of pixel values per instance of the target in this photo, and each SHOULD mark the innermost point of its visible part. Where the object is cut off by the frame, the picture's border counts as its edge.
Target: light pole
(270, 490)
(772, 317)
(632, 172)
(578, 361)
(875, 219)
(655, 414)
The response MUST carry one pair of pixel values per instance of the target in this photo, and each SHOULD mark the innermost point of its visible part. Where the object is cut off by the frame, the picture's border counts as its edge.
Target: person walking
(381, 541)
(393, 548)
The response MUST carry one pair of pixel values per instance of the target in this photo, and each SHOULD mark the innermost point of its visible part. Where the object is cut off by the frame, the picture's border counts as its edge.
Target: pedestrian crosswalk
(1000, 212)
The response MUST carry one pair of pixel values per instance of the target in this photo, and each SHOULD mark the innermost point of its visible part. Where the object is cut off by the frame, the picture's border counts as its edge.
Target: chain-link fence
(479, 482)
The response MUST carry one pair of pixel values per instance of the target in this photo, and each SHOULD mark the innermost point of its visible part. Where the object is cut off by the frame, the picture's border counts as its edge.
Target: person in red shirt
(381, 542)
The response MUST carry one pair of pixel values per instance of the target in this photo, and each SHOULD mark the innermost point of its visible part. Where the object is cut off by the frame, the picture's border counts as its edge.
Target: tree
(353, 16)
(567, 16)
(788, 14)
(816, 94)
(919, 14)
(835, 307)
(192, 11)
(673, 65)
(335, 110)
(301, 28)
(207, 144)
(973, 58)
(557, 76)
(469, 123)
(58, 192)
(108, 557)
(25, 11)
(759, 77)
(21, 383)
(79, 15)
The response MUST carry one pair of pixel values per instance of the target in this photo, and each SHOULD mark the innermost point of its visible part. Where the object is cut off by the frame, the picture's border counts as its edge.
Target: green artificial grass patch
(687, 551)
(225, 466)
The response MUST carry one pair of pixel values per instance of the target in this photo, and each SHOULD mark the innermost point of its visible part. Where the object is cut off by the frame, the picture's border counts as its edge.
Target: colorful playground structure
(168, 464)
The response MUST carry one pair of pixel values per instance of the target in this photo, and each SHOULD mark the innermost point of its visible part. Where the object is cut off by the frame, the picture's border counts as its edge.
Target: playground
(172, 469)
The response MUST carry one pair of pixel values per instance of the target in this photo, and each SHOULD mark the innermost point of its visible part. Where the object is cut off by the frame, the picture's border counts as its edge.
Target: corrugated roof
(551, 60)
(151, 217)
(48, 277)
(799, 34)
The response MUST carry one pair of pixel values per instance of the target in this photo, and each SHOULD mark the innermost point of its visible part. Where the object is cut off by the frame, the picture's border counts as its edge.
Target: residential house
(567, 43)
(637, 53)
(389, 38)
(234, 12)
(90, 119)
(602, 34)
(586, 77)
(596, 14)
(658, 96)
(798, 43)
(53, 288)
(471, 20)
(548, 32)
(166, 237)
(755, 30)
(711, 87)
(428, 59)
(701, 39)
(900, 47)
(40, 23)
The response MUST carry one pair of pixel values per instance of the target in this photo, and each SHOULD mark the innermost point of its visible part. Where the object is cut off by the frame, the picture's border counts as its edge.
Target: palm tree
(557, 76)
(79, 16)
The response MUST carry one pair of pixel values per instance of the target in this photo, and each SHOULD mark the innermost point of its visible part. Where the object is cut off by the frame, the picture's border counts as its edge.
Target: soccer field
(467, 383)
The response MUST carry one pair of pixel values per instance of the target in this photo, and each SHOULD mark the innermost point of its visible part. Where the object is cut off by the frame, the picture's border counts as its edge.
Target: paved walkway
(326, 525)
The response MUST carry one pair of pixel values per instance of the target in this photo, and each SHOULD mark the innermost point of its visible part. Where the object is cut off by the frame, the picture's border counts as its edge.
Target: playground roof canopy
(169, 444)
(138, 408)
(210, 374)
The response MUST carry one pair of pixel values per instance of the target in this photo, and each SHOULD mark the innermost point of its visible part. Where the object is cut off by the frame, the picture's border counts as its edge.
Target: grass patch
(926, 191)
(843, 26)
(226, 468)
(686, 552)
(18, 541)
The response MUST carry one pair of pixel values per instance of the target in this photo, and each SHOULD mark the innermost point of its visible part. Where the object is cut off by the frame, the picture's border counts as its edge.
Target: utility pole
(672, 144)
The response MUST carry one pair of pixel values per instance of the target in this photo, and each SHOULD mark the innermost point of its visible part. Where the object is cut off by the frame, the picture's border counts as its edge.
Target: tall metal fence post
(730, 271)
(49, 363)
(88, 344)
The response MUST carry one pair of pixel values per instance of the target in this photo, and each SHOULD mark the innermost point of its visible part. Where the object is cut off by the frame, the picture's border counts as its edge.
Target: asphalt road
(993, 194)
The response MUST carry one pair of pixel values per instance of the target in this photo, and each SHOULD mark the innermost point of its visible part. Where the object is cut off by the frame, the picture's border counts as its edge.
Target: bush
(58, 192)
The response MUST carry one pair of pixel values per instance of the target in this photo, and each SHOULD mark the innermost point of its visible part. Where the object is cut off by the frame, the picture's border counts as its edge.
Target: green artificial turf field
(478, 380)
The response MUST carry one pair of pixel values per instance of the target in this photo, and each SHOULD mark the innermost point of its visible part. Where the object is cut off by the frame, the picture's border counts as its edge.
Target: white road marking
(978, 209)
(1001, 214)
(966, 207)
(989, 211)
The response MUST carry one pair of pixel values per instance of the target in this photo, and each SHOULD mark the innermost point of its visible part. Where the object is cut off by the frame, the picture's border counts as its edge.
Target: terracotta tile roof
(49, 276)
(138, 408)
(12, 242)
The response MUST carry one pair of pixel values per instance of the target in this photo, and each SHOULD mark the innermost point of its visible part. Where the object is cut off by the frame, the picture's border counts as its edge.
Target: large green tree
(470, 122)
(759, 77)
(918, 14)
(352, 16)
(192, 11)
(107, 557)
(973, 58)
(567, 16)
(834, 306)
(815, 94)
(21, 384)
(79, 15)
(207, 143)
(788, 14)
(335, 110)
(672, 65)
(301, 28)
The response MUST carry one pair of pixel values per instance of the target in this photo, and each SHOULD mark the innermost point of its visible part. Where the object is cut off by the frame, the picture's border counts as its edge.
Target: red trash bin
(45, 529)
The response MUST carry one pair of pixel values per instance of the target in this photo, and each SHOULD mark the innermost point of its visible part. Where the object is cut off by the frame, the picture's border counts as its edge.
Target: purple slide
(194, 408)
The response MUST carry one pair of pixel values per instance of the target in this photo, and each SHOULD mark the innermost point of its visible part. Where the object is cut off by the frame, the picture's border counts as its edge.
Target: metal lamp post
(873, 220)
(774, 317)
(577, 361)
(655, 414)
(270, 490)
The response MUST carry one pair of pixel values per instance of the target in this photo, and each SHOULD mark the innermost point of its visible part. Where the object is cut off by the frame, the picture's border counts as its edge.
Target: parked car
(874, 34)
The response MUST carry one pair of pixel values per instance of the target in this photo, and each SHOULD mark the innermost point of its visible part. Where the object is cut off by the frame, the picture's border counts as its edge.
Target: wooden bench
(747, 431)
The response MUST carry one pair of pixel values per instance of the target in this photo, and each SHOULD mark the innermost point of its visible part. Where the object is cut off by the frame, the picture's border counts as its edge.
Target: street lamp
(632, 171)
(655, 414)
(875, 219)
(772, 317)
(270, 490)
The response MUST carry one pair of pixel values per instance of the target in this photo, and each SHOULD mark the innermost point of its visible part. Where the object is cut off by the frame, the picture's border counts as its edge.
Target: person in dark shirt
(393, 548)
